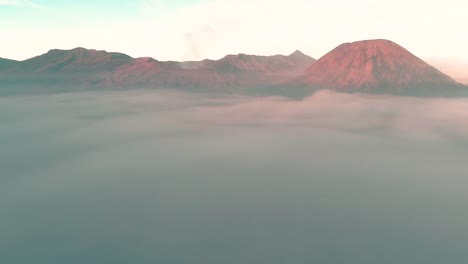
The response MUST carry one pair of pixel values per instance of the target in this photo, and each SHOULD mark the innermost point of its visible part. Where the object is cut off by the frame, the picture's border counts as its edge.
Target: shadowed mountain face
(373, 65)
(7, 64)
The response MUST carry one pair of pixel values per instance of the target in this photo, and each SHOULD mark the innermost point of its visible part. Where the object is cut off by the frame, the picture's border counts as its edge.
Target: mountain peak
(371, 42)
(297, 53)
(145, 60)
(298, 56)
(373, 64)
(75, 50)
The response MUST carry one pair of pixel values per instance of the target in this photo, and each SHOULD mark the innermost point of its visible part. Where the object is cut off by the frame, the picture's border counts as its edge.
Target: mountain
(75, 61)
(240, 71)
(60, 69)
(6, 64)
(295, 62)
(374, 66)
(84, 68)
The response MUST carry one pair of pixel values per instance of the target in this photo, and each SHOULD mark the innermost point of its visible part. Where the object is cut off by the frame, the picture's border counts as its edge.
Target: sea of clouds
(169, 177)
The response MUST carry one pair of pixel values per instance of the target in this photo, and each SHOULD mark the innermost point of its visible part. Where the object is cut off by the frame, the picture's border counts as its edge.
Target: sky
(198, 29)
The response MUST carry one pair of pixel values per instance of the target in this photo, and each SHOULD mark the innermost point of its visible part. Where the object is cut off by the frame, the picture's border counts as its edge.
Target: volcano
(374, 66)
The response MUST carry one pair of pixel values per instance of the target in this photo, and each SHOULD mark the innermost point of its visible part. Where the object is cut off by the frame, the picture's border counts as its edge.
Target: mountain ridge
(7, 63)
(97, 68)
(370, 66)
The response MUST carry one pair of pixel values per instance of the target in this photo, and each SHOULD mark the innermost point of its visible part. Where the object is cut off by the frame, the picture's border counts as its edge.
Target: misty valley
(166, 176)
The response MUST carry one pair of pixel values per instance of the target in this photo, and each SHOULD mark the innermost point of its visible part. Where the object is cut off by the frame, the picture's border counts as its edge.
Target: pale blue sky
(195, 29)
(48, 11)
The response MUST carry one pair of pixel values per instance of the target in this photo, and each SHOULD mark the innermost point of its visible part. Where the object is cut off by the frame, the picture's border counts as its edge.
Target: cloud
(163, 160)
(196, 40)
(384, 115)
(407, 117)
(381, 115)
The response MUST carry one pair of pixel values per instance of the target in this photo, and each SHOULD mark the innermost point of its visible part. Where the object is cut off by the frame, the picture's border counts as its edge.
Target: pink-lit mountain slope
(373, 65)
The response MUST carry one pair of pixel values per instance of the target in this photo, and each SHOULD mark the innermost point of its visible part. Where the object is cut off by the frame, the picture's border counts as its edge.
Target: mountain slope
(240, 71)
(262, 64)
(373, 65)
(6, 64)
(75, 61)
(62, 69)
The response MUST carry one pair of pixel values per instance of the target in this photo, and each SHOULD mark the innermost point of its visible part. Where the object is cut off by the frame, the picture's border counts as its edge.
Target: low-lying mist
(168, 177)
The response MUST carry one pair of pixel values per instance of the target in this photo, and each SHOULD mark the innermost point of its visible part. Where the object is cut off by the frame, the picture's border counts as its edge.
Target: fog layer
(165, 177)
